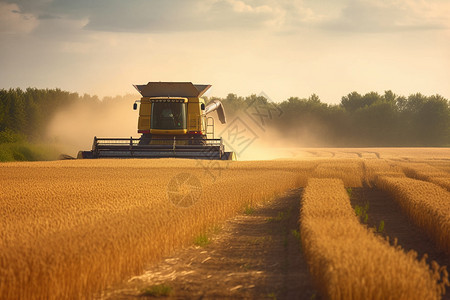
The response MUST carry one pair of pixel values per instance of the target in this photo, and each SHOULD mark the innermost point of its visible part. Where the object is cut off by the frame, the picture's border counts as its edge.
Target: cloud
(170, 16)
(143, 16)
(182, 15)
(389, 15)
(13, 21)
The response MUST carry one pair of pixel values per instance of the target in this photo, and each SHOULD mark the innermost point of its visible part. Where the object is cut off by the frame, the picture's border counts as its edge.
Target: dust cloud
(251, 141)
(255, 139)
(73, 129)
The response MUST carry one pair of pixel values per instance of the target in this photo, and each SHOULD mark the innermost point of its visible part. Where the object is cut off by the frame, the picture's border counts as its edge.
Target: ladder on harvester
(210, 128)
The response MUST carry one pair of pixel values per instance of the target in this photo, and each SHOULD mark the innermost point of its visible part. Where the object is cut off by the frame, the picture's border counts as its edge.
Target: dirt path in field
(397, 225)
(255, 255)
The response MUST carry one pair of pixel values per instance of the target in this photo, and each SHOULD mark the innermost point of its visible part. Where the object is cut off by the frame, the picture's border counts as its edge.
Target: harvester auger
(173, 122)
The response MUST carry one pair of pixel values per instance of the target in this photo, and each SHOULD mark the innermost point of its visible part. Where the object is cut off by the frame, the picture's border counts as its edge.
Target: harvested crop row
(348, 261)
(350, 171)
(441, 165)
(70, 231)
(429, 173)
(425, 203)
(380, 167)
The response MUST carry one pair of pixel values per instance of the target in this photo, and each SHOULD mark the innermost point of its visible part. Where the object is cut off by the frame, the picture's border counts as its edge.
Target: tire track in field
(382, 207)
(256, 255)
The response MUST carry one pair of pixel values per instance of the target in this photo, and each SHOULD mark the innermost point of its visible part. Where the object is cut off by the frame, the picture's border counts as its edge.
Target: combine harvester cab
(173, 122)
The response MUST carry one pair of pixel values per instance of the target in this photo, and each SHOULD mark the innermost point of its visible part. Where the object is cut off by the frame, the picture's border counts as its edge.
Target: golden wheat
(441, 165)
(400, 154)
(71, 228)
(374, 168)
(427, 205)
(347, 260)
(350, 171)
(424, 171)
(68, 229)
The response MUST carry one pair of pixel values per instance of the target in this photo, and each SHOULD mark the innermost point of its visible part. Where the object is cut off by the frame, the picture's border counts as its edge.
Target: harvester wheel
(85, 154)
(229, 156)
(145, 139)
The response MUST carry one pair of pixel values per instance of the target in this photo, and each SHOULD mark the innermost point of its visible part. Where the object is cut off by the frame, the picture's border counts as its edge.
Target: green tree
(17, 111)
(351, 102)
(432, 122)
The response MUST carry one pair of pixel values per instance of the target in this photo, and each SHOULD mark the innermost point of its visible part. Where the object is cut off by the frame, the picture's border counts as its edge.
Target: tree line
(26, 114)
(367, 120)
(370, 120)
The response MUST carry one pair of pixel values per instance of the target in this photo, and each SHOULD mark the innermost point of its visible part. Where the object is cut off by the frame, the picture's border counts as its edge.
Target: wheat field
(427, 204)
(70, 229)
(347, 260)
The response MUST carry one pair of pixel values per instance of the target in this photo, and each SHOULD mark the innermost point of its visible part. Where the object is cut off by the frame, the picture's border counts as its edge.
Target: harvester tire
(85, 155)
(229, 156)
(145, 139)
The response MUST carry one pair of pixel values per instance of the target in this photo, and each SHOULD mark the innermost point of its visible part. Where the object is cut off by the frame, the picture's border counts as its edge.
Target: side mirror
(202, 106)
(135, 106)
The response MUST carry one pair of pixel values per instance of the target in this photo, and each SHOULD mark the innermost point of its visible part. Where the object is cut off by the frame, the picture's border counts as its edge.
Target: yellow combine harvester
(173, 122)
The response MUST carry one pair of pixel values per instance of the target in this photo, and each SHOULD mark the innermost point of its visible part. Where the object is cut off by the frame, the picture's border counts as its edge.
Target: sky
(279, 47)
